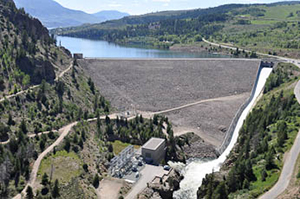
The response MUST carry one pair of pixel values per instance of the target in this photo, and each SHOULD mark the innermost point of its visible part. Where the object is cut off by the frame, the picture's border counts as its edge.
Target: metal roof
(153, 143)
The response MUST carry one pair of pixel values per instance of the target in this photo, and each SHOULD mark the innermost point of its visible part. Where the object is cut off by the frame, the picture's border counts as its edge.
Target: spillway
(195, 170)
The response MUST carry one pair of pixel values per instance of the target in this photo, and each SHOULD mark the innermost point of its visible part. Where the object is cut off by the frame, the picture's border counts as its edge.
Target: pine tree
(10, 120)
(246, 184)
(23, 127)
(96, 181)
(67, 144)
(45, 179)
(29, 193)
(55, 190)
(220, 192)
(264, 175)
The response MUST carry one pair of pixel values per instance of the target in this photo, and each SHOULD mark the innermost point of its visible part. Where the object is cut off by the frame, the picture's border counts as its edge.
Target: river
(104, 49)
(194, 171)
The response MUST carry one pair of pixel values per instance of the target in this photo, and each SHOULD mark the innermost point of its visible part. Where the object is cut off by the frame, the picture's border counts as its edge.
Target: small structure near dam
(154, 150)
(78, 56)
(120, 161)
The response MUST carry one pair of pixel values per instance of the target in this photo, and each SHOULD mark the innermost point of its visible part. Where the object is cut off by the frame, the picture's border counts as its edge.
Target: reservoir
(104, 49)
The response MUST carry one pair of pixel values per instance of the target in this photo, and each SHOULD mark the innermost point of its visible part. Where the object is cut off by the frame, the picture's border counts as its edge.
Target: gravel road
(35, 86)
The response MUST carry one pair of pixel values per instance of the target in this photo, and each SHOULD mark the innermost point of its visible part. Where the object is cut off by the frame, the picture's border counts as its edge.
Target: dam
(209, 97)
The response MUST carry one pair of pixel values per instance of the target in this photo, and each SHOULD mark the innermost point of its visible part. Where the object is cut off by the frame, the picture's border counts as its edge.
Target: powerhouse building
(154, 150)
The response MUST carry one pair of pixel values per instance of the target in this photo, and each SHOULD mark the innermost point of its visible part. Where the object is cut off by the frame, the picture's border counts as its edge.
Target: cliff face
(27, 51)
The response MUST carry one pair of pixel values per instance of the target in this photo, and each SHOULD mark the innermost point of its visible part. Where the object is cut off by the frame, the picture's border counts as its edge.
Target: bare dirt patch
(110, 187)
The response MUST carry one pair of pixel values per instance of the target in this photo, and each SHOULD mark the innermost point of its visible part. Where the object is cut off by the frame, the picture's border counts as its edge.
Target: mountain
(53, 15)
(40, 86)
(110, 15)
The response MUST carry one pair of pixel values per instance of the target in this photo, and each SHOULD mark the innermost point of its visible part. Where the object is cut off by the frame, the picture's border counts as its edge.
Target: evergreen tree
(67, 144)
(86, 115)
(23, 127)
(270, 160)
(55, 190)
(10, 120)
(155, 119)
(45, 179)
(96, 181)
(264, 175)
(141, 119)
(246, 184)
(29, 193)
(220, 192)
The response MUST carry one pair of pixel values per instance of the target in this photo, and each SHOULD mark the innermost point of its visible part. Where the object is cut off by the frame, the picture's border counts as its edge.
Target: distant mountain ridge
(53, 15)
(110, 14)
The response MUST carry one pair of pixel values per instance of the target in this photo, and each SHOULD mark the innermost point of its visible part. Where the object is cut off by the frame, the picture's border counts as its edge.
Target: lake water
(97, 48)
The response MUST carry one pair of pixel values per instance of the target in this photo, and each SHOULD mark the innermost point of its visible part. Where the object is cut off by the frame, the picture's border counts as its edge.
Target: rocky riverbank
(162, 188)
(198, 148)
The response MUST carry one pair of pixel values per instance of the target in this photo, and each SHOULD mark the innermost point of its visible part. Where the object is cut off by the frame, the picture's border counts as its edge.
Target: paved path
(294, 61)
(289, 163)
(35, 86)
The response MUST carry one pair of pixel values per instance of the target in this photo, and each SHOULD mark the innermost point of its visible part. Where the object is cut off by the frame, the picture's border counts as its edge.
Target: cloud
(165, 1)
(115, 4)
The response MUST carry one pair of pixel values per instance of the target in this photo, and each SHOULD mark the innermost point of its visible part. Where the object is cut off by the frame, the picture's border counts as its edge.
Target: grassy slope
(264, 34)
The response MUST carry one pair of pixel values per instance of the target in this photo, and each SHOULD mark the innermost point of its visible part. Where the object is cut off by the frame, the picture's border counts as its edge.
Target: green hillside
(268, 28)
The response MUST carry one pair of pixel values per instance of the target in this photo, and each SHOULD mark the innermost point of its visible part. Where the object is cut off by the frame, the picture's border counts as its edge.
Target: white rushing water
(196, 170)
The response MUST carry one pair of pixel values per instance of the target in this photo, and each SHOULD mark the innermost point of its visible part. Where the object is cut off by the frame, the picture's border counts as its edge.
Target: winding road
(35, 86)
(289, 163)
(64, 131)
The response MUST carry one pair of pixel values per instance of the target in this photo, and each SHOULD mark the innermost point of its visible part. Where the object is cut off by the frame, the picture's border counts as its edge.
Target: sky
(136, 7)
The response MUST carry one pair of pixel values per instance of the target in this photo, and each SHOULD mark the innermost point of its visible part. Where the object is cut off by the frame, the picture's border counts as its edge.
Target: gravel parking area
(159, 84)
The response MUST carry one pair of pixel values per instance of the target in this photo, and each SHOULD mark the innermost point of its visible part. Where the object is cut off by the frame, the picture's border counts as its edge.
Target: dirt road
(148, 114)
(35, 86)
(289, 163)
(64, 132)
